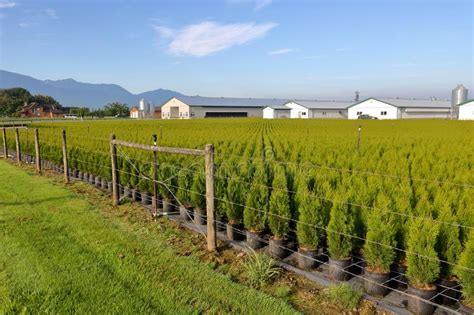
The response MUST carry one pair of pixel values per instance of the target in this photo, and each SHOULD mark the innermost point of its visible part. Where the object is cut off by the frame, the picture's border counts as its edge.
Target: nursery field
(403, 197)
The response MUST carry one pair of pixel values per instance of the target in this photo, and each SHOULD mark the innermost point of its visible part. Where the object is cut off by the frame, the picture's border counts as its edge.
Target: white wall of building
(328, 113)
(270, 113)
(297, 111)
(373, 108)
(175, 109)
(466, 111)
(200, 111)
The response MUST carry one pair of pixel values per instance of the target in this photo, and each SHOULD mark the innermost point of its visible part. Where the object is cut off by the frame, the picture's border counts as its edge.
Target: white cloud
(205, 38)
(281, 51)
(7, 4)
(23, 25)
(258, 4)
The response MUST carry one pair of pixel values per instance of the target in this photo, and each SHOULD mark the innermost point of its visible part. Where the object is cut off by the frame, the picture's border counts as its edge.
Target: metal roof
(229, 101)
(279, 107)
(323, 104)
(466, 102)
(410, 103)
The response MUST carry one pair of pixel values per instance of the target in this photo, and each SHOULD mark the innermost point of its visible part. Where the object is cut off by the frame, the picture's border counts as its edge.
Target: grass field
(60, 254)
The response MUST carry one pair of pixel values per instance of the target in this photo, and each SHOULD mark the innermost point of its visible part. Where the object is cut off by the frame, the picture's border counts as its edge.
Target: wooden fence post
(5, 148)
(113, 156)
(37, 150)
(65, 165)
(18, 151)
(211, 222)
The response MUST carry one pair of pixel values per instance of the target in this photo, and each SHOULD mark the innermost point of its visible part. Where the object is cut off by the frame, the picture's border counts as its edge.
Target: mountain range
(70, 92)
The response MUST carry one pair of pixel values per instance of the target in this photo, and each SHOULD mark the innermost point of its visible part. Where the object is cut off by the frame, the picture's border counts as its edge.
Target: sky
(311, 49)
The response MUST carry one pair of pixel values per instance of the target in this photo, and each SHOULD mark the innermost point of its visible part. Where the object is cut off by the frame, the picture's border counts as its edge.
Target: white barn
(397, 108)
(466, 110)
(187, 107)
(318, 109)
(276, 111)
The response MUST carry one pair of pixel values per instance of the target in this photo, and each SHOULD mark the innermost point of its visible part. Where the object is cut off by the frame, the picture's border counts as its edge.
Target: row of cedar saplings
(321, 213)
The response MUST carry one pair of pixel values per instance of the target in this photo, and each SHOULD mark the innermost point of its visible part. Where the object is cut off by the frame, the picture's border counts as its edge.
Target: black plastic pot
(146, 199)
(416, 304)
(449, 295)
(103, 184)
(126, 193)
(168, 205)
(306, 258)
(278, 247)
(338, 269)
(199, 216)
(254, 239)
(220, 223)
(79, 175)
(135, 195)
(109, 187)
(92, 179)
(234, 232)
(85, 177)
(184, 213)
(376, 284)
(399, 279)
(98, 179)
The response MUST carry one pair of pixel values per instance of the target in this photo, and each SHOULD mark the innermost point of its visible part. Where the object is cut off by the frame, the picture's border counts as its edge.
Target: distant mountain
(69, 92)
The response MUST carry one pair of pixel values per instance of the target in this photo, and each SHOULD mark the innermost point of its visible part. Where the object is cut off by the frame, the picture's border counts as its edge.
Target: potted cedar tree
(185, 180)
(422, 264)
(379, 248)
(198, 197)
(466, 275)
(340, 229)
(233, 204)
(255, 209)
(279, 214)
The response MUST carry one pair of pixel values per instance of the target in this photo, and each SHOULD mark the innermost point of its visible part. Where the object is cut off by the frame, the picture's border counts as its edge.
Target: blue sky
(250, 48)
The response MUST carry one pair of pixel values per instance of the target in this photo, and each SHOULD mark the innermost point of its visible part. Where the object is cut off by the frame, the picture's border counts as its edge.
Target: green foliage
(283, 291)
(234, 199)
(185, 180)
(279, 205)
(11, 100)
(422, 260)
(167, 181)
(116, 109)
(340, 228)
(198, 188)
(310, 225)
(465, 270)
(260, 269)
(379, 251)
(256, 203)
(343, 295)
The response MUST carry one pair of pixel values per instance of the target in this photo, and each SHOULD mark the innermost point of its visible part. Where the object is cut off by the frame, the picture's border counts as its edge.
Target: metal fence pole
(211, 222)
(113, 156)
(65, 164)
(37, 150)
(5, 148)
(17, 141)
(155, 184)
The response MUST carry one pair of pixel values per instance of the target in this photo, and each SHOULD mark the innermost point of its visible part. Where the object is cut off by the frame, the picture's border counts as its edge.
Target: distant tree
(11, 100)
(116, 109)
(45, 100)
(81, 111)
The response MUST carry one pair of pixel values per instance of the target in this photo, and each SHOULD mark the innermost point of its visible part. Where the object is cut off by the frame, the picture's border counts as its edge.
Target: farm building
(276, 111)
(186, 107)
(36, 110)
(397, 108)
(466, 110)
(134, 112)
(318, 109)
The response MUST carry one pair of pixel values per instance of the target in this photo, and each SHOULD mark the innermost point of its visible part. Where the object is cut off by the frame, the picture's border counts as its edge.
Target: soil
(426, 287)
(377, 270)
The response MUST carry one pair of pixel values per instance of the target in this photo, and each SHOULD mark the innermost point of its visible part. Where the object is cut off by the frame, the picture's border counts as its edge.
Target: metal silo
(458, 96)
(141, 107)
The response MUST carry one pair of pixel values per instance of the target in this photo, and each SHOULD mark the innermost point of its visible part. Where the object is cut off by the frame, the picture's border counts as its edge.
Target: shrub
(381, 237)
(234, 198)
(166, 178)
(279, 206)
(260, 269)
(422, 261)
(185, 180)
(344, 295)
(310, 218)
(256, 203)
(198, 188)
(448, 244)
(464, 270)
(340, 228)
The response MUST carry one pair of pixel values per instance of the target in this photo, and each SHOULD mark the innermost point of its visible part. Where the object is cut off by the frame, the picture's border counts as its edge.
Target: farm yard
(395, 205)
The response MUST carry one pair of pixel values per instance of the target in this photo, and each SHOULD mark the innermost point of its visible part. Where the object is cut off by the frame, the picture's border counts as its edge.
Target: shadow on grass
(33, 202)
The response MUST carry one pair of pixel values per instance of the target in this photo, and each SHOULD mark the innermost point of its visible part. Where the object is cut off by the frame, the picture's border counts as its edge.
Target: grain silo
(458, 96)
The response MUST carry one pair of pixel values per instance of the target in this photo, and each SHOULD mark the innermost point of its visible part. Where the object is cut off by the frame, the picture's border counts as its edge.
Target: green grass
(343, 295)
(59, 254)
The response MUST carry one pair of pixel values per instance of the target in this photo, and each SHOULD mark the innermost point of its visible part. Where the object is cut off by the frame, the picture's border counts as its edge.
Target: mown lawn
(60, 254)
